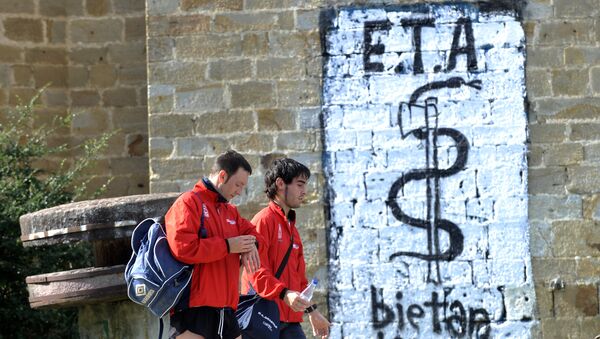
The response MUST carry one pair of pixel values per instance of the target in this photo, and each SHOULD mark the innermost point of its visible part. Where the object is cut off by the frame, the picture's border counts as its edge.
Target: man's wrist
(310, 308)
(282, 294)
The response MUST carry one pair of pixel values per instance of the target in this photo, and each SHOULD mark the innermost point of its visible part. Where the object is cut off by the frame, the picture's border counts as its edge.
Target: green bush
(25, 188)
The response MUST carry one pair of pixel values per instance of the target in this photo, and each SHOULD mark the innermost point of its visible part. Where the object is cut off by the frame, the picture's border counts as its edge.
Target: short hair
(287, 169)
(230, 162)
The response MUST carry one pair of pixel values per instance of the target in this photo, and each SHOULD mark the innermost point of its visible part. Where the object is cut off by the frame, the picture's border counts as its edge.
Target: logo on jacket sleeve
(205, 211)
(279, 234)
(230, 222)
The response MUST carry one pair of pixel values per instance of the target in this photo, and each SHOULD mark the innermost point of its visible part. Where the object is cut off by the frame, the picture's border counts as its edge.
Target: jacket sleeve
(263, 280)
(302, 267)
(182, 223)
(248, 228)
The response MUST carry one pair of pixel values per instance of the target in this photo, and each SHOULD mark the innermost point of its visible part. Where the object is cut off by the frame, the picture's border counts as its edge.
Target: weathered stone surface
(570, 82)
(77, 287)
(583, 179)
(578, 111)
(225, 122)
(56, 31)
(580, 8)
(298, 93)
(564, 154)
(98, 7)
(61, 8)
(575, 238)
(10, 53)
(206, 98)
(171, 25)
(102, 30)
(218, 5)
(576, 300)
(129, 7)
(46, 56)
(253, 141)
(564, 32)
(177, 73)
(87, 220)
(17, 6)
(547, 180)
(77, 76)
(230, 70)
(56, 76)
(85, 98)
(22, 75)
(255, 43)
(127, 53)
(595, 79)
(135, 28)
(205, 46)
(279, 68)
(172, 125)
(103, 75)
(252, 94)
(585, 131)
(276, 120)
(120, 97)
(89, 56)
(21, 29)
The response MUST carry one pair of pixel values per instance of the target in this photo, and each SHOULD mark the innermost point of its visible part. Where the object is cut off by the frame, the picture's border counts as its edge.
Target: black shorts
(205, 321)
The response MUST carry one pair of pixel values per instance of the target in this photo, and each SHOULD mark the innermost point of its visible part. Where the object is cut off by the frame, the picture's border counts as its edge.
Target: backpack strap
(285, 258)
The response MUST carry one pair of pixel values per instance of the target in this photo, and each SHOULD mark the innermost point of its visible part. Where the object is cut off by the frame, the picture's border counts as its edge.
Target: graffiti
(373, 48)
(429, 133)
(445, 315)
(425, 165)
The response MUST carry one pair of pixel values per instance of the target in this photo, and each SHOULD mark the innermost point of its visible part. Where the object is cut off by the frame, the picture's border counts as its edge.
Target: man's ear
(280, 184)
(222, 177)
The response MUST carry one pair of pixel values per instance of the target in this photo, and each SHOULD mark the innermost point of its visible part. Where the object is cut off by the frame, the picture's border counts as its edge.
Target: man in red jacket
(216, 255)
(285, 183)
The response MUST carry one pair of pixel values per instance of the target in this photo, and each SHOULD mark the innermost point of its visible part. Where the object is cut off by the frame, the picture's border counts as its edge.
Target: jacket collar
(291, 217)
(207, 191)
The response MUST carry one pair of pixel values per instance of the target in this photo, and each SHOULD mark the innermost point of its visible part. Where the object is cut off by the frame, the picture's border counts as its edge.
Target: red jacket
(276, 230)
(216, 273)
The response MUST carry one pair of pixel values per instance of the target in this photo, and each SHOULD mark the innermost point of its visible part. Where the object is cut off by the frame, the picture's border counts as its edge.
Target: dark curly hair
(287, 169)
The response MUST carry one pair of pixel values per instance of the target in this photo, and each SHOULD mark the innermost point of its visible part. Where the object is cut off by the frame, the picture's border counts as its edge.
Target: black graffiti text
(376, 47)
(449, 316)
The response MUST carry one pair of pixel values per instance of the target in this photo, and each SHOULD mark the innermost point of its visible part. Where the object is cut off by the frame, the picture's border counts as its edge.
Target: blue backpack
(155, 279)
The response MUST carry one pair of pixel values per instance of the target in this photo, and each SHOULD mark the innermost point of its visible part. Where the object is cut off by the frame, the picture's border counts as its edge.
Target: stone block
(22, 75)
(10, 54)
(544, 303)
(137, 146)
(85, 98)
(546, 269)
(292, 44)
(547, 133)
(55, 97)
(296, 141)
(160, 49)
(89, 56)
(129, 7)
(225, 122)
(547, 180)
(581, 55)
(535, 10)
(230, 70)
(47, 55)
(127, 53)
(218, 5)
(132, 74)
(102, 75)
(255, 43)
(575, 238)
(90, 121)
(200, 146)
(120, 97)
(575, 9)
(577, 111)
(298, 93)
(175, 169)
(585, 131)
(595, 79)
(201, 47)
(307, 19)
(583, 179)
(552, 207)
(128, 165)
(591, 152)
(17, 6)
(77, 76)
(564, 32)
(563, 327)
(563, 154)
(576, 300)
(534, 155)
(61, 8)
(247, 21)
(589, 327)
(54, 75)
(56, 31)
(203, 99)
(131, 119)
(255, 142)
(309, 118)
(22, 29)
(588, 268)
(252, 94)
(276, 120)
(172, 125)
(538, 83)
(20, 95)
(570, 82)
(177, 73)
(135, 28)
(171, 25)
(101, 30)
(98, 7)
(280, 68)
(160, 147)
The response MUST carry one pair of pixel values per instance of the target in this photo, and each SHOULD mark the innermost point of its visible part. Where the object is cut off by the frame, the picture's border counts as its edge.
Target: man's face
(296, 190)
(232, 186)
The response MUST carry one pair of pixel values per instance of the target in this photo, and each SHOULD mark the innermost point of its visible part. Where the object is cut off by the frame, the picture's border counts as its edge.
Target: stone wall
(93, 55)
(248, 75)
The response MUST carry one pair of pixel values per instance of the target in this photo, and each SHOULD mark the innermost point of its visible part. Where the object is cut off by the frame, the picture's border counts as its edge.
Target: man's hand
(320, 325)
(241, 243)
(251, 260)
(293, 300)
